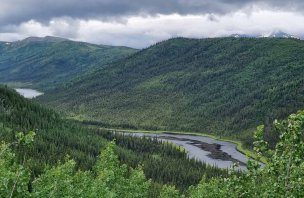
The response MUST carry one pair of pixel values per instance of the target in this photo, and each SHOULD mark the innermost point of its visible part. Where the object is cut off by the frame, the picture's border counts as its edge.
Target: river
(28, 93)
(205, 149)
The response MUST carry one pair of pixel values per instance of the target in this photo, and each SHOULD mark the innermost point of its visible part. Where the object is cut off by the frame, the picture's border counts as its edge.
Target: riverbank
(239, 145)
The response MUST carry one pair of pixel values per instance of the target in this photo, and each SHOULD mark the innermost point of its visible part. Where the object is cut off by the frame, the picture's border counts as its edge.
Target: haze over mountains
(273, 34)
(52, 60)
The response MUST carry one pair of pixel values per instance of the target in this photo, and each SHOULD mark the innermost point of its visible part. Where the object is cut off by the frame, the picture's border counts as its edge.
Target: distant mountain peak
(43, 39)
(273, 34)
(241, 35)
(278, 34)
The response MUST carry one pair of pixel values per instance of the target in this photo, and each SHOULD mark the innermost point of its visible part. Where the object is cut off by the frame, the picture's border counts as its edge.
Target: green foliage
(47, 63)
(220, 85)
(110, 172)
(163, 163)
(110, 179)
(14, 178)
(55, 138)
(169, 192)
(283, 176)
(27, 139)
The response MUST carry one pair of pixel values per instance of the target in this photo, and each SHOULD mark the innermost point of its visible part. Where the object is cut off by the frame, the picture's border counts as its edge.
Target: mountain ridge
(48, 61)
(273, 34)
(44, 39)
(223, 85)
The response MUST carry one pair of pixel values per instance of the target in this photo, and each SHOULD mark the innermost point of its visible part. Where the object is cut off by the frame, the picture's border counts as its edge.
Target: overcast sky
(140, 23)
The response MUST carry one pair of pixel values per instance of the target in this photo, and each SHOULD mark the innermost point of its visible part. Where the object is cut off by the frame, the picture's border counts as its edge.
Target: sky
(140, 23)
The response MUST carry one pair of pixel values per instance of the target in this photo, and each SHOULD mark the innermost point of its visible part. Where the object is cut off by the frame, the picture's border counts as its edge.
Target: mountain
(55, 137)
(273, 34)
(223, 85)
(241, 36)
(27, 169)
(47, 61)
(278, 34)
(59, 139)
(50, 39)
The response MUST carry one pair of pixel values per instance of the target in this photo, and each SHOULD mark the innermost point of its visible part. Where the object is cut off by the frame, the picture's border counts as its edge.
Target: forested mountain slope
(56, 138)
(282, 176)
(209, 85)
(44, 62)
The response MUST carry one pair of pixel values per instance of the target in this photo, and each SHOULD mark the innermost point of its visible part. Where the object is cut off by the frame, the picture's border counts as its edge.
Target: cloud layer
(139, 23)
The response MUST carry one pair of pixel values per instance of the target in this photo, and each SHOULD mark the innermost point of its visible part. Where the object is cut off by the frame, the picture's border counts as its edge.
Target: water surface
(28, 93)
(205, 149)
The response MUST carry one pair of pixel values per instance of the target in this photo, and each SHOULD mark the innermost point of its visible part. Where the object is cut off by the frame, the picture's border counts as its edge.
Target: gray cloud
(142, 31)
(17, 11)
(140, 23)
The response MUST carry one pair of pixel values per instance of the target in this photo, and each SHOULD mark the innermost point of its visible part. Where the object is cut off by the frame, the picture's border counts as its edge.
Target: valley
(221, 86)
(164, 88)
(213, 152)
(151, 99)
(84, 101)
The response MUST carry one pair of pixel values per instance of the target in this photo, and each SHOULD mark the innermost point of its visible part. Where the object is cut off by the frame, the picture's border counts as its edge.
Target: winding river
(29, 93)
(214, 152)
(205, 149)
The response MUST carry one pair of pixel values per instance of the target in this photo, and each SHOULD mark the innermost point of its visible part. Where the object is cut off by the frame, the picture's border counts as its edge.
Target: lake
(205, 149)
(28, 93)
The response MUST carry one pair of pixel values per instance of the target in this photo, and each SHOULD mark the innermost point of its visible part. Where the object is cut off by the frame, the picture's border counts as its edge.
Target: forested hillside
(45, 62)
(57, 138)
(281, 177)
(219, 85)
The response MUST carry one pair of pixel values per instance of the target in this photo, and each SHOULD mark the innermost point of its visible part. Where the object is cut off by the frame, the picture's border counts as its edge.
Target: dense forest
(226, 86)
(57, 138)
(283, 175)
(46, 62)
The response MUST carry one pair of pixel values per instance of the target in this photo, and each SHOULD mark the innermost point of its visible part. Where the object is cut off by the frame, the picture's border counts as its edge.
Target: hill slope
(209, 85)
(51, 60)
(56, 138)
